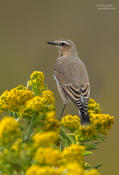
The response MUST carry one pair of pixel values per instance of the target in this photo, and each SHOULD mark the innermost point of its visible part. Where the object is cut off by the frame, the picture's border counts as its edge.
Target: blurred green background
(26, 26)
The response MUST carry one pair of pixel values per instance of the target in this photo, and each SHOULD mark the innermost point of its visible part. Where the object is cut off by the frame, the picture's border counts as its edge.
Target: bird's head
(66, 47)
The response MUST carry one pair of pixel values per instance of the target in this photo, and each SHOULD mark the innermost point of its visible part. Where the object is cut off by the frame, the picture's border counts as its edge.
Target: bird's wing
(78, 92)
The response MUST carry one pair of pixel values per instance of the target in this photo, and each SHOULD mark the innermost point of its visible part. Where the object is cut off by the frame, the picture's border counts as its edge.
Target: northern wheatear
(72, 78)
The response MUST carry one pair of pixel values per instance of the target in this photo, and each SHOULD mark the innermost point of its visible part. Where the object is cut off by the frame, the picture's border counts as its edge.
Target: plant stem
(30, 129)
(65, 137)
(11, 113)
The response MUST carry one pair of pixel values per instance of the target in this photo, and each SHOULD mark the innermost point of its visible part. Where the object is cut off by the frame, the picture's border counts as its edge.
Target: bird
(72, 78)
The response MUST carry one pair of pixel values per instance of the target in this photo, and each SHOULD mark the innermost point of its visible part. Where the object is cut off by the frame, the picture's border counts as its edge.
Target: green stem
(30, 129)
(65, 136)
(11, 113)
(16, 115)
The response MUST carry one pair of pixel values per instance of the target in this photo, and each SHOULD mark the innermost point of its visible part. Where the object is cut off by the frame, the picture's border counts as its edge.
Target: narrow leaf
(86, 153)
(65, 136)
(91, 146)
(97, 166)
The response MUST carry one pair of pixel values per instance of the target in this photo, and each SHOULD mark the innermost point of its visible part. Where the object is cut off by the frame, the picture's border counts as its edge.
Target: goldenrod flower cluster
(34, 142)
(40, 170)
(69, 169)
(12, 100)
(36, 75)
(75, 169)
(45, 138)
(16, 145)
(48, 96)
(69, 161)
(9, 130)
(71, 122)
(51, 123)
(36, 82)
(73, 154)
(100, 124)
(93, 107)
(92, 172)
(39, 104)
(47, 156)
(51, 156)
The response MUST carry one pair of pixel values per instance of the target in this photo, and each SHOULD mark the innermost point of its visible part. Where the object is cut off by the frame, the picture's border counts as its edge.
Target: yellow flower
(36, 104)
(71, 122)
(102, 122)
(99, 124)
(93, 107)
(92, 172)
(12, 100)
(38, 75)
(50, 114)
(72, 154)
(68, 169)
(9, 130)
(43, 170)
(47, 156)
(86, 132)
(4, 101)
(51, 123)
(15, 146)
(73, 169)
(49, 97)
(45, 138)
(36, 82)
(33, 170)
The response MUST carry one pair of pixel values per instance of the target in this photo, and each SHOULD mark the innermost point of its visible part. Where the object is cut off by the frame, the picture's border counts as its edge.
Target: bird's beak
(52, 43)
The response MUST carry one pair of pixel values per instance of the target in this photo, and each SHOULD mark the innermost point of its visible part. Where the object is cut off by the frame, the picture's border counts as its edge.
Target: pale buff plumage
(72, 78)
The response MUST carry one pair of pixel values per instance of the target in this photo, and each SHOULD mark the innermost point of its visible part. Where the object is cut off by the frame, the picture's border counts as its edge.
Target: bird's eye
(62, 44)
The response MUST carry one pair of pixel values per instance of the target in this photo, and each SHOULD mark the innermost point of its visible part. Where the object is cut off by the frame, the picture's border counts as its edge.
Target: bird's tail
(85, 120)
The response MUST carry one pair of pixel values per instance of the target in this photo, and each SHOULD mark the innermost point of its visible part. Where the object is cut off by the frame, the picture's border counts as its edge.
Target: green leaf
(30, 129)
(65, 137)
(86, 153)
(61, 146)
(97, 166)
(102, 138)
(91, 146)
(16, 115)
(72, 138)
(11, 113)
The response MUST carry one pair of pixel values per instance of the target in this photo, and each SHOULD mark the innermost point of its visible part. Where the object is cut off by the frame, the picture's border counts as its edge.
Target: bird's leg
(62, 111)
